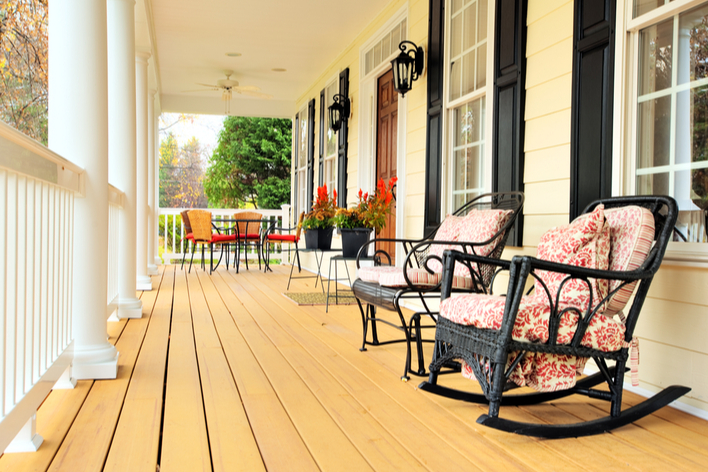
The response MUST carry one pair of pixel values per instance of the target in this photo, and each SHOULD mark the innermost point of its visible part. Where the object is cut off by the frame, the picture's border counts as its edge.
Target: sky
(204, 127)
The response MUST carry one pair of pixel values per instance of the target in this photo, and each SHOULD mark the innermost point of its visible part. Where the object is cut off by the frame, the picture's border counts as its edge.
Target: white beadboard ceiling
(189, 40)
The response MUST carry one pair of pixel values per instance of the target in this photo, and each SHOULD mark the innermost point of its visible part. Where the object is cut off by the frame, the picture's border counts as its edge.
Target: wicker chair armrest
(452, 256)
(584, 272)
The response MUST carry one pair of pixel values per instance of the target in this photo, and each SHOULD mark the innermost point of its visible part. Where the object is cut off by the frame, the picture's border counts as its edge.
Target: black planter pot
(319, 238)
(353, 239)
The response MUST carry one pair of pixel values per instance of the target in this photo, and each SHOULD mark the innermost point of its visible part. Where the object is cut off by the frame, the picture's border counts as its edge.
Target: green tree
(251, 163)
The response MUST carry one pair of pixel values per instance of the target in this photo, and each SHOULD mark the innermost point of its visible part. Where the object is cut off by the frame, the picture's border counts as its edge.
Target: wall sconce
(338, 111)
(407, 66)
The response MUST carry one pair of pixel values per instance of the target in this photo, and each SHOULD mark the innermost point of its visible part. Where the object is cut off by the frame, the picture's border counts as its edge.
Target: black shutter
(434, 107)
(311, 149)
(296, 141)
(323, 132)
(509, 98)
(343, 144)
(593, 77)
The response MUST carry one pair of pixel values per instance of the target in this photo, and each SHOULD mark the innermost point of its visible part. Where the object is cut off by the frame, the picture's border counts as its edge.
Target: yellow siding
(675, 315)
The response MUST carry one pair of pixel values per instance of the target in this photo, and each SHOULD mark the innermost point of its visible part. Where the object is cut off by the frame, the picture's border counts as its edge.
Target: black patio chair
(384, 286)
(579, 312)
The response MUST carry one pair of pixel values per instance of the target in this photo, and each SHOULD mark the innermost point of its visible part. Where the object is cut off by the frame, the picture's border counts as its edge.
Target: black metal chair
(573, 330)
(423, 261)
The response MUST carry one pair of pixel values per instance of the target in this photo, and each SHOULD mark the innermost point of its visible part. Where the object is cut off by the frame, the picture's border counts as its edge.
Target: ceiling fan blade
(208, 85)
(247, 88)
(251, 93)
(213, 89)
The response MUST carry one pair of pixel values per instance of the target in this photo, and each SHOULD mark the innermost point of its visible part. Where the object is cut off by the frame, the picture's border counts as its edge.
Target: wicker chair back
(185, 221)
(201, 225)
(250, 227)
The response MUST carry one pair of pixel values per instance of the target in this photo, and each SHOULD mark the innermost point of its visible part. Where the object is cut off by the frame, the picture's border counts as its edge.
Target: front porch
(224, 373)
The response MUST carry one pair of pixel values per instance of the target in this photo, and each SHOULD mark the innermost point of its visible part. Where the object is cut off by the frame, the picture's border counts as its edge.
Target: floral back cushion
(584, 243)
(477, 226)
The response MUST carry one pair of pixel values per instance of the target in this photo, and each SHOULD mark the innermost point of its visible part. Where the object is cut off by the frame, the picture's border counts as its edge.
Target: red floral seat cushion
(421, 278)
(584, 243)
(543, 372)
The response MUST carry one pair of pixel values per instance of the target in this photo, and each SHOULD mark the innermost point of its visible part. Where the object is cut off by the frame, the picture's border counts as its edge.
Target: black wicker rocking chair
(420, 255)
(493, 354)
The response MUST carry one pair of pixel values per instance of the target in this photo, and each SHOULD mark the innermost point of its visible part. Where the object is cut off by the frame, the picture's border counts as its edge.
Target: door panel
(386, 145)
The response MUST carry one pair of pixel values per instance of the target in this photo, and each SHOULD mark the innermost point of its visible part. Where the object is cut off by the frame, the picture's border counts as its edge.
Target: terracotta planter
(353, 239)
(319, 238)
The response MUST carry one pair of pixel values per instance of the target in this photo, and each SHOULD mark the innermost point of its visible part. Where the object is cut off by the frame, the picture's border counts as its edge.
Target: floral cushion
(632, 234)
(584, 243)
(543, 372)
(373, 274)
(478, 226)
(421, 278)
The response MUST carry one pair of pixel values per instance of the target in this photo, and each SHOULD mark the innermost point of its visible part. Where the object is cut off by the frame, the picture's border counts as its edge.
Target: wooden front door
(386, 145)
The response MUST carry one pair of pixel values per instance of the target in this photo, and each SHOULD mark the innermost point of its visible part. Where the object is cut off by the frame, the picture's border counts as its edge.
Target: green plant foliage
(251, 163)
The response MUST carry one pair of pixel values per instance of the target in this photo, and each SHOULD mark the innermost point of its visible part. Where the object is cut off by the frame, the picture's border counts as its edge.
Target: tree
(23, 66)
(182, 174)
(251, 163)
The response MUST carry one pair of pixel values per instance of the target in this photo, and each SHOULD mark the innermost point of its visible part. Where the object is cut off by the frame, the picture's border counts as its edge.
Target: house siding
(675, 317)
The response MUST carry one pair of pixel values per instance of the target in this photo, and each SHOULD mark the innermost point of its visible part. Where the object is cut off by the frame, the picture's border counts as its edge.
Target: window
(467, 98)
(671, 112)
(382, 50)
(330, 141)
(301, 203)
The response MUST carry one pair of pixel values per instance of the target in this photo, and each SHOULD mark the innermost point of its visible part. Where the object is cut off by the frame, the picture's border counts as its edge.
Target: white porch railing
(172, 242)
(115, 205)
(37, 191)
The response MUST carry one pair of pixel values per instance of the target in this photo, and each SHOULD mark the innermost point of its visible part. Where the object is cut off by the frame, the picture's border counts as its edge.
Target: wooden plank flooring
(224, 373)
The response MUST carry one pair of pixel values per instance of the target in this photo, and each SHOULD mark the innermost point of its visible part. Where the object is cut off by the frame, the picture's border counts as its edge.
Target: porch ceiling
(190, 41)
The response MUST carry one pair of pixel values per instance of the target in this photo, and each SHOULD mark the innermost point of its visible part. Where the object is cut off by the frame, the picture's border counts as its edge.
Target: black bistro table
(257, 228)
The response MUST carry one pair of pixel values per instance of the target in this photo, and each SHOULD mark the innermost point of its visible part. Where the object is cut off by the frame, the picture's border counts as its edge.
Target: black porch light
(407, 66)
(338, 111)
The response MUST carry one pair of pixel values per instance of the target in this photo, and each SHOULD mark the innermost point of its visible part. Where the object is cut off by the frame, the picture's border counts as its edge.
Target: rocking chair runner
(542, 339)
(481, 226)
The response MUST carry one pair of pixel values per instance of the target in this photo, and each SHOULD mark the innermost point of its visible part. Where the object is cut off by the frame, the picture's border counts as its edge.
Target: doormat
(319, 298)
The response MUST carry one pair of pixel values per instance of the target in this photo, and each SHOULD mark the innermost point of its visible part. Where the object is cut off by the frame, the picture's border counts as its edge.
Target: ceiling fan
(228, 86)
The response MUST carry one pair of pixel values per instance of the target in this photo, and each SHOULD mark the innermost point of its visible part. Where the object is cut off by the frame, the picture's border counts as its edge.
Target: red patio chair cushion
(283, 237)
(249, 236)
(220, 238)
(190, 236)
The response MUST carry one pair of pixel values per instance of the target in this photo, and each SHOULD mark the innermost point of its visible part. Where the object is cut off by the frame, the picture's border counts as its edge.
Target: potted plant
(318, 223)
(369, 214)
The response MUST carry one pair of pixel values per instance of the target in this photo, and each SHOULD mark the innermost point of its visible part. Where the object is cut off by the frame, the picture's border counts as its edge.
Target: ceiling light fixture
(278, 69)
(233, 54)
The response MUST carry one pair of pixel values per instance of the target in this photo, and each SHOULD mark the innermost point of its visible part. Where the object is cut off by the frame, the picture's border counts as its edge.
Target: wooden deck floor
(224, 373)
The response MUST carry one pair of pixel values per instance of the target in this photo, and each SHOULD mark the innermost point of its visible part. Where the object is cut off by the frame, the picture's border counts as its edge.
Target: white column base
(130, 308)
(97, 362)
(158, 261)
(27, 440)
(144, 283)
(66, 381)
(152, 269)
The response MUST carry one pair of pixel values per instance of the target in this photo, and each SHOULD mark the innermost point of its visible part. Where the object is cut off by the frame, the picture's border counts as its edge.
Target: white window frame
(301, 172)
(332, 158)
(624, 170)
(448, 168)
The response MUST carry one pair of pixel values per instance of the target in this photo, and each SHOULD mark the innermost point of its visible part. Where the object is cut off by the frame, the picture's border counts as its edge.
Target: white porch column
(121, 143)
(156, 182)
(78, 130)
(141, 97)
(152, 209)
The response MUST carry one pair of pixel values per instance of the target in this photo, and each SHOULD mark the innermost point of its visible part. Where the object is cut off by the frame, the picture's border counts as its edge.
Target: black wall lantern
(338, 111)
(407, 67)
